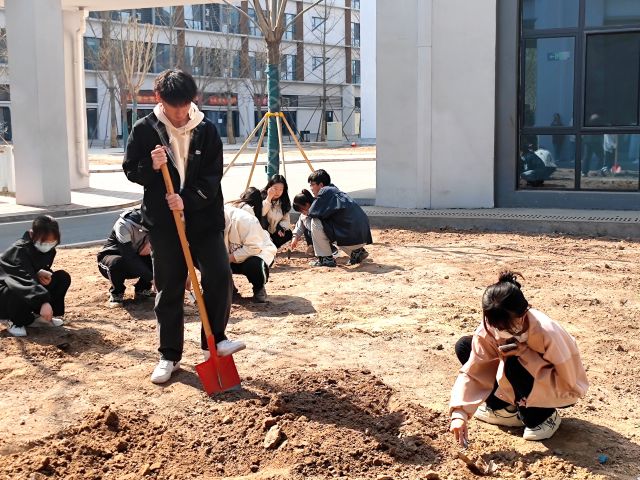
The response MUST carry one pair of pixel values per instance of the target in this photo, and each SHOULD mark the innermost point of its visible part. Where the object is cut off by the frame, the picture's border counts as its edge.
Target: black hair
(302, 199)
(175, 87)
(285, 202)
(504, 302)
(320, 176)
(43, 226)
(253, 197)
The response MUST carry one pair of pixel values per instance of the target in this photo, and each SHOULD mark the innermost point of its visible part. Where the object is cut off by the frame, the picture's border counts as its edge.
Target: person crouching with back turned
(518, 367)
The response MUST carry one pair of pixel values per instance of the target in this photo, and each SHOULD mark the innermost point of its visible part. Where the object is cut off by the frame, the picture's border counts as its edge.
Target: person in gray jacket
(127, 255)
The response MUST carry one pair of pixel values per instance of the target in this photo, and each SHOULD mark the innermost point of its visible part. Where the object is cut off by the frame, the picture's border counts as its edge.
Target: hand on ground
(459, 430)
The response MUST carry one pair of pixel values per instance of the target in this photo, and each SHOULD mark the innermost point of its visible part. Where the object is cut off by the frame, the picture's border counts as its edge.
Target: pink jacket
(552, 359)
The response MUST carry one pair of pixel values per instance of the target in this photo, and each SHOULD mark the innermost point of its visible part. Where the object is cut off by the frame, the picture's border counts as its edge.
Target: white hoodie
(180, 137)
(245, 237)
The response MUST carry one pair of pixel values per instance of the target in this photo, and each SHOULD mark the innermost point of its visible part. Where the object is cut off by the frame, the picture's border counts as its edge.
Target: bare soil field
(347, 371)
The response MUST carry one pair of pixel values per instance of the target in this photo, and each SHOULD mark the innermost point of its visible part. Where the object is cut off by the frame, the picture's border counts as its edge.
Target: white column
(35, 37)
(368, 67)
(74, 92)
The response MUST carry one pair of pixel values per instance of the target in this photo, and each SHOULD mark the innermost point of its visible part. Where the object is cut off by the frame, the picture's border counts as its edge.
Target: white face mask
(45, 247)
(522, 337)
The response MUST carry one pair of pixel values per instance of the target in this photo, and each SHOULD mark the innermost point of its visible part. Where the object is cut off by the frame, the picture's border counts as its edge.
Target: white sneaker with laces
(163, 371)
(16, 330)
(503, 417)
(229, 347)
(41, 322)
(545, 430)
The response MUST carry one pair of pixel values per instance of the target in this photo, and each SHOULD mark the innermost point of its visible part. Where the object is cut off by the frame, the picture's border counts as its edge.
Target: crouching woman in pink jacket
(518, 367)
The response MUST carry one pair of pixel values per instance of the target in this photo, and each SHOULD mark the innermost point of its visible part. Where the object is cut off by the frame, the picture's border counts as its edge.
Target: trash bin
(7, 176)
(334, 131)
(305, 135)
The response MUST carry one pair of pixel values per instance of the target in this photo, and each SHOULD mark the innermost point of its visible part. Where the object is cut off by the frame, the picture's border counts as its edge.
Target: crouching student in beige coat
(518, 367)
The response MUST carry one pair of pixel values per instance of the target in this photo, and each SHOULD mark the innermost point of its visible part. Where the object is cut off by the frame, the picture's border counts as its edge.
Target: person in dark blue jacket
(336, 217)
(31, 293)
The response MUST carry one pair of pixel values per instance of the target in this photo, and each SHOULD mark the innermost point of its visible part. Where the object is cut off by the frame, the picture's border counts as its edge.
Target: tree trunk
(113, 135)
(231, 137)
(273, 86)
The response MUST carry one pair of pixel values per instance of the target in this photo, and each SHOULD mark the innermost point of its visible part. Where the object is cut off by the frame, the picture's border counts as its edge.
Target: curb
(261, 163)
(22, 217)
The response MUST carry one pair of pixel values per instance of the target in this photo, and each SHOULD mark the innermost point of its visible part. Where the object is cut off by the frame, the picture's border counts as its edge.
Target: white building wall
(436, 103)
(368, 67)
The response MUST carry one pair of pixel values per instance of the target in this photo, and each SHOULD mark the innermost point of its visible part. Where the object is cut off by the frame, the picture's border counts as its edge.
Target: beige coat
(275, 217)
(552, 358)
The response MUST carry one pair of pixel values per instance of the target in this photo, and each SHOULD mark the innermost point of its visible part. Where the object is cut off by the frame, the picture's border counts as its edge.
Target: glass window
(163, 16)
(163, 57)
(5, 124)
(610, 162)
(91, 95)
(355, 4)
(548, 14)
(4, 59)
(355, 71)
(145, 15)
(5, 92)
(288, 67)
(355, 34)
(316, 62)
(92, 123)
(613, 64)
(548, 82)
(193, 16)
(604, 13)
(547, 162)
(316, 22)
(91, 53)
(290, 32)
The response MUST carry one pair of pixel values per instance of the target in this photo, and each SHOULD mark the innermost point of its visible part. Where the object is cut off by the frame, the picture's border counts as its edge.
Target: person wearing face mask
(31, 293)
(518, 367)
(276, 206)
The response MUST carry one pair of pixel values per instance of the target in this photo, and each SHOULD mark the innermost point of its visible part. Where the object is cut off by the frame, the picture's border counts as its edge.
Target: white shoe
(229, 347)
(503, 417)
(163, 371)
(17, 331)
(41, 322)
(545, 430)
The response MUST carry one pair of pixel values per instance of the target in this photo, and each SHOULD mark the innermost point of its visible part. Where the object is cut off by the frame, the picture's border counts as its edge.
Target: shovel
(218, 373)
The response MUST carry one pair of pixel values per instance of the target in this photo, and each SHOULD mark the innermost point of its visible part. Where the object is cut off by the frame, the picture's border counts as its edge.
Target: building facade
(227, 56)
(508, 103)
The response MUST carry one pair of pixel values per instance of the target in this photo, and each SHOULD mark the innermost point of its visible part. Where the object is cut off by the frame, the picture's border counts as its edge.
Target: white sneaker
(545, 430)
(229, 347)
(41, 322)
(163, 371)
(17, 331)
(503, 417)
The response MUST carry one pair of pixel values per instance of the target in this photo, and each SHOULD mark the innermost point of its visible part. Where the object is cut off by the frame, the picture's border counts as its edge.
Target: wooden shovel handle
(177, 216)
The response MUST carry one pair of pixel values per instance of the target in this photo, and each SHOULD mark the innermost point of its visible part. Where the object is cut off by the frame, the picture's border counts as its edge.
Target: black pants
(278, 241)
(170, 274)
(255, 269)
(521, 381)
(17, 309)
(589, 150)
(116, 269)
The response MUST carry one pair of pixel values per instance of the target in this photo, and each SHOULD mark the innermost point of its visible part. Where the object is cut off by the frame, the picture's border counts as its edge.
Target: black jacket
(343, 220)
(201, 193)
(19, 266)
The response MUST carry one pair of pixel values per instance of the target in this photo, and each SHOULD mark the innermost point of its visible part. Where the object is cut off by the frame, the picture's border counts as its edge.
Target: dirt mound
(343, 423)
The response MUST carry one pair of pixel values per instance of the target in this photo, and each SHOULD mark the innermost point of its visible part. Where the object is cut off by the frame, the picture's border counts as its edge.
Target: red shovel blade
(218, 373)
(616, 168)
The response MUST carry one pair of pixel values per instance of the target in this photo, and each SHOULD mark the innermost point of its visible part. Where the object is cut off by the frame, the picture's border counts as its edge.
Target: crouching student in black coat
(31, 293)
(336, 217)
(127, 255)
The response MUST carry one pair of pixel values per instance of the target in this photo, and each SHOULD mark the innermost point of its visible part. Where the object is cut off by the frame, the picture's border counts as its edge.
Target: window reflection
(610, 162)
(547, 161)
(602, 13)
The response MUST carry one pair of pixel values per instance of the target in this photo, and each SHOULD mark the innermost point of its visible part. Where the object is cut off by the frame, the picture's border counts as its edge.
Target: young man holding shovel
(178, 135)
